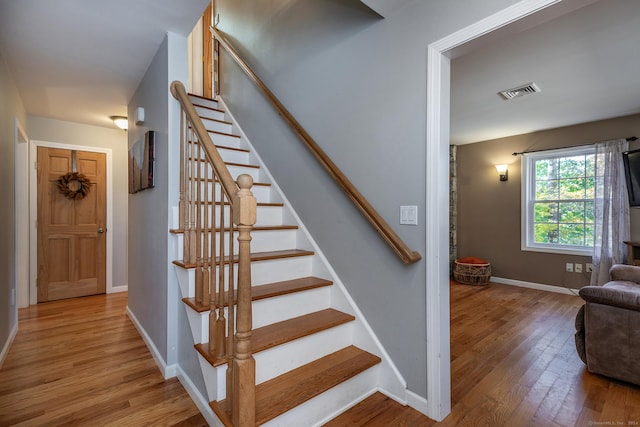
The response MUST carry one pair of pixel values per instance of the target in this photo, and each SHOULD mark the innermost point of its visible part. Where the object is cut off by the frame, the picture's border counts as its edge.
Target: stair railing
(407, 255)
(213, 210)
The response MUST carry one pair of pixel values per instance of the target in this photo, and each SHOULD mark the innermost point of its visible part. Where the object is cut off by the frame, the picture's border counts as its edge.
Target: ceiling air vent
(520, 91)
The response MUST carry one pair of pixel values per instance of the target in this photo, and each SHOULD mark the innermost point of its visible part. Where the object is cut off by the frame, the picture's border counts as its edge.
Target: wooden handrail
(228, 184)
(400, 248)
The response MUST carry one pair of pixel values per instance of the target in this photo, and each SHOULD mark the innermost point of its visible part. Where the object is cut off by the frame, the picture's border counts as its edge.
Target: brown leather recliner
(608, 325)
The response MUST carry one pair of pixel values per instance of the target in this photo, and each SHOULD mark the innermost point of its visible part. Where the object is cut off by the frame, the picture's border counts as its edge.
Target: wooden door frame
(33, 212)
(438, 403)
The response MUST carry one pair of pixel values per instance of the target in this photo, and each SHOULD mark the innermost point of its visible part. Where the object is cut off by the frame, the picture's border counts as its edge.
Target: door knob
(100, 230)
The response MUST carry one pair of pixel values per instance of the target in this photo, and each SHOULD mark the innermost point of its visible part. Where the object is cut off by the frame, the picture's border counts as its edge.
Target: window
(558, 200)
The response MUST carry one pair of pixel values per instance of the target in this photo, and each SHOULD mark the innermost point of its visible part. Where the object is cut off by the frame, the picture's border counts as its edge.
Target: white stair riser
(273, 310)
(203, 102)
(236, 171)
(217, 125)
(225, 140)
(262, 193)
(214, 379)
(263, 272)
(234, 156)
(261, 241)
(277, 270)
(267, 216)
(283, 358)
(276, 310)
(315, 411)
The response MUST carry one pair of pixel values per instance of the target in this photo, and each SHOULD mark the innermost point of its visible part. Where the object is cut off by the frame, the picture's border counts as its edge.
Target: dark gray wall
(357, 83)
(489, 211)
(11, 107)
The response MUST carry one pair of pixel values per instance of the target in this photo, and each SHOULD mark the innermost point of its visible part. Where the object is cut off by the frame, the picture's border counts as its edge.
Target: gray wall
(11, 107)
(148, 209)
(357, 83)
(489, 212)
(52, 130)
(154, 296)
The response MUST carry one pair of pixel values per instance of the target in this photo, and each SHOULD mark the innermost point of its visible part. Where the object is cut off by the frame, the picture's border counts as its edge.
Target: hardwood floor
(513, 363)
(81, 362)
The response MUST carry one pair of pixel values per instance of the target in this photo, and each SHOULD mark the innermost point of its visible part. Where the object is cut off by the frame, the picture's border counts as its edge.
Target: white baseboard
(197, 397)
(417, 402)
(168, 371)
(7, 344)
(116, 289)
(538, 286)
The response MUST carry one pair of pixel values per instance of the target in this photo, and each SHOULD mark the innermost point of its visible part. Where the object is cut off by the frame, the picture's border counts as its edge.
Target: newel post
(243, 370)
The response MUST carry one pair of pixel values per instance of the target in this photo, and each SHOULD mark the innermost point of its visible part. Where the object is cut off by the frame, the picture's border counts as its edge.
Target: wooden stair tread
(243, 165)
(255, 228)
(264, 184)
(275, 334)
(258, 256)
(213, 120)
(279, 395)
(271, 290)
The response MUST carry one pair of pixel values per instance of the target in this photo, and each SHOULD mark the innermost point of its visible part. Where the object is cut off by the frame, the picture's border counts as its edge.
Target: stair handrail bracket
(214, 210)
(407, 255)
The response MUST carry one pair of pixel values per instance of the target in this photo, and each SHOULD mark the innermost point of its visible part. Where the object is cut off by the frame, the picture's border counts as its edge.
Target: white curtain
(611, 210)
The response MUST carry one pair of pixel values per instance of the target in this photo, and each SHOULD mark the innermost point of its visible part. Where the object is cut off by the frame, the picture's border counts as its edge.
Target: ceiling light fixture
(121, 121)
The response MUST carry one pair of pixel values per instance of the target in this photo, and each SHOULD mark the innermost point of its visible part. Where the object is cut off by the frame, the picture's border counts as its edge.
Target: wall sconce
(503, 172)
(121, 121)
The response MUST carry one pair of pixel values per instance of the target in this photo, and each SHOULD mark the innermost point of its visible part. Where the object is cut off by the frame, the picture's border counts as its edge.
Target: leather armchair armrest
(616, 294)
(629, 273)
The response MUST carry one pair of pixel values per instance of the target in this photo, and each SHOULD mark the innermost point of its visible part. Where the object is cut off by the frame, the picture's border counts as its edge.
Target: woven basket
(474, 271)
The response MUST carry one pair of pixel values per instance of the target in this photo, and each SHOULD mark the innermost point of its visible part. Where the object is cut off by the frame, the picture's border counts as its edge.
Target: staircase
(315, 356)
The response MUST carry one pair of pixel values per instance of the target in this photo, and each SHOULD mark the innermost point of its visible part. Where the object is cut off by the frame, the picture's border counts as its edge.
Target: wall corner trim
(7, 344)
(168, 371)
(201, 402)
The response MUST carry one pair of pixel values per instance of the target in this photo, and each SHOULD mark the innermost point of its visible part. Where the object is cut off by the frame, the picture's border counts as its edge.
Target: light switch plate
(409, 215)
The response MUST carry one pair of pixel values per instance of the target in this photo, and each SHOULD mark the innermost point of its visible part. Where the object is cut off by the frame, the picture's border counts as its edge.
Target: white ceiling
(587, 63)
(82, 60)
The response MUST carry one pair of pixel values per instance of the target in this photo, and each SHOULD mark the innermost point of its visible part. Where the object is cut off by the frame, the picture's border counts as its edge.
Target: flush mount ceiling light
(520, 91)
(121, 121)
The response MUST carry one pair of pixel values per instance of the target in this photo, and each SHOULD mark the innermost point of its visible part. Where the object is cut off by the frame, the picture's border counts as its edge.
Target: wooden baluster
(206, 276)
(221, 321)
(215, 294)
(199, 225)
(244, 371)
(190, 256)
(181, 208)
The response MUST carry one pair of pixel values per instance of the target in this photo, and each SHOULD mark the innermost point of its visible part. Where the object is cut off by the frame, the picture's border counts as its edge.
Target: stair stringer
(389, 379)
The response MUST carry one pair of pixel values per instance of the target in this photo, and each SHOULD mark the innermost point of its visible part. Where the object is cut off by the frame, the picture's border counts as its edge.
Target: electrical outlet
(13, 296)
(588, 267)
(569, 267)
(578, 268)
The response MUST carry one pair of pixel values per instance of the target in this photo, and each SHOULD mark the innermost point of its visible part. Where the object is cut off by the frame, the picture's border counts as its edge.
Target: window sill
(559, 251)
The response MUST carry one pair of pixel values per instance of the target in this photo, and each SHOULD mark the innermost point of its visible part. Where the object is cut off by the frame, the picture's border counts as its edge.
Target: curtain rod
(630, 139)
